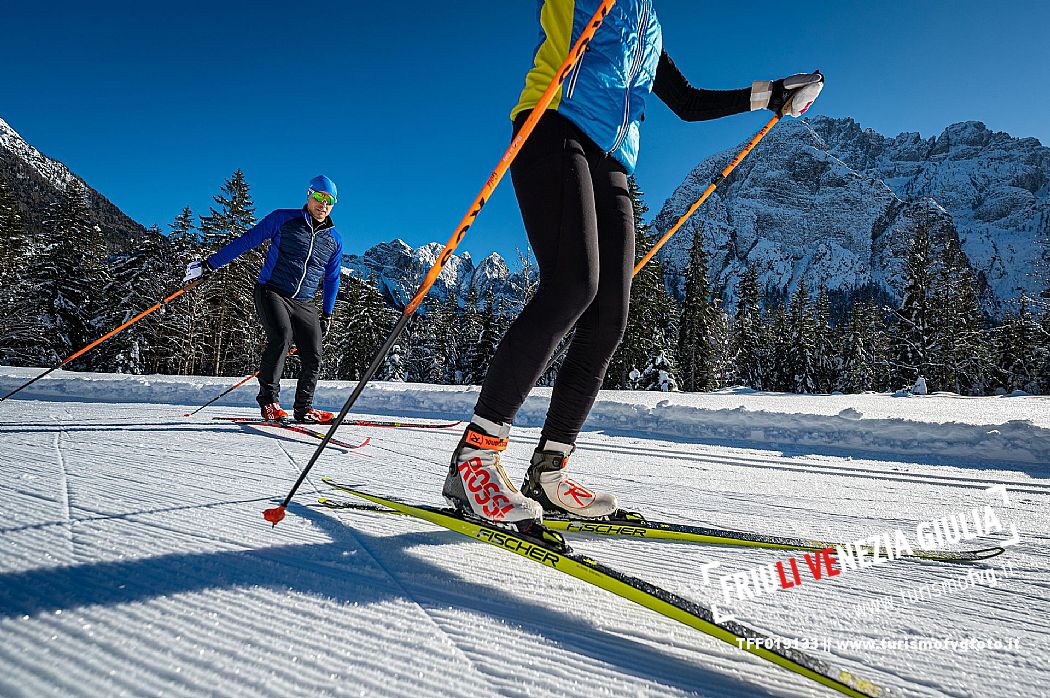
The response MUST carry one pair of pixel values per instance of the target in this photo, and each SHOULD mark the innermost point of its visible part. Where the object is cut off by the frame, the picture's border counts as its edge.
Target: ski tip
(274, 515)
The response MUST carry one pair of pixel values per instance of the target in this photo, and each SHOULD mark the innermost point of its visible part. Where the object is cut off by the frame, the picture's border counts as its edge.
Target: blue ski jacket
(299, 256)
(605, 93)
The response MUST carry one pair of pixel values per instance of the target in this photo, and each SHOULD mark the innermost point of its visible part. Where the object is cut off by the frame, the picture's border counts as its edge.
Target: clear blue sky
(404, 104)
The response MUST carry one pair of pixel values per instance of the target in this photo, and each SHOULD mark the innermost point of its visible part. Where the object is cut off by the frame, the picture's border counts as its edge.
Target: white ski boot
(476, 484)
(547, 483)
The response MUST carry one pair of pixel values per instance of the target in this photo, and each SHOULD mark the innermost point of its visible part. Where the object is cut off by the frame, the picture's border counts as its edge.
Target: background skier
(305, 249)
(570, 179)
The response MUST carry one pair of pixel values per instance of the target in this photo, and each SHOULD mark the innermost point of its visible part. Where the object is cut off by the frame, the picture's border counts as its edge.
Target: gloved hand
(197, 269)
(326, 325)
(791, 96)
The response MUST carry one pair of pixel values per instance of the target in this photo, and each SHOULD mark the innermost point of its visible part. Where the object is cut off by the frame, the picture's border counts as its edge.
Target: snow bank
(940, 427)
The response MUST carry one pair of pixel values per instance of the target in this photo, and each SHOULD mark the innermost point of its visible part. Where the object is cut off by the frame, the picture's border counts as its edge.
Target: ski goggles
(322, 197)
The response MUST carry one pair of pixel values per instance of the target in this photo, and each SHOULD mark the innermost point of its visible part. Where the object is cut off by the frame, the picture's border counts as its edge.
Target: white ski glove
(196, 270)
(791, 96)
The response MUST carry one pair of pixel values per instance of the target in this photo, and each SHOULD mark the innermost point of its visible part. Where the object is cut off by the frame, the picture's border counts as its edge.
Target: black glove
(791, 96)
(326, 325)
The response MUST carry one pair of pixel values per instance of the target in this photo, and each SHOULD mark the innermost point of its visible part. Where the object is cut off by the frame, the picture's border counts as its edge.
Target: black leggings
(286, 320)
(579, 219)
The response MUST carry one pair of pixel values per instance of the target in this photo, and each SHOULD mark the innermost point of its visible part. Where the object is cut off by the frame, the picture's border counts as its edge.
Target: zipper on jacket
(624, 127)
(575, 74)
(309, 253)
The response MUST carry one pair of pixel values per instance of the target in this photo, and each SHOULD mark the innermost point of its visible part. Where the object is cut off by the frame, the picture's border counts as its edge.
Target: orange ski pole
(276, 514)
(230, 389)
(707, 192)
(129, 323)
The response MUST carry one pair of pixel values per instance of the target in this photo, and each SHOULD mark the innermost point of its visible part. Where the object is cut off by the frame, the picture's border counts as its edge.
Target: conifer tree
(68, 276)
(488, 340)
(914, 338)
(777, 339)
(234, 333)
(962, 361)
(650, 324)
(14, 239)
(825, 358)
(1021, 348)
(696, 328)
(182, 348)
(801, 350)
(864, 362)
(138, 279)
(16, 286)
(366, 324)
(747, 345)
(468, 335)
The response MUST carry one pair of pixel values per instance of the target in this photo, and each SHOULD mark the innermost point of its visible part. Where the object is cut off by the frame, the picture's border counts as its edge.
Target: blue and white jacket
(605, 93)
(299, 256)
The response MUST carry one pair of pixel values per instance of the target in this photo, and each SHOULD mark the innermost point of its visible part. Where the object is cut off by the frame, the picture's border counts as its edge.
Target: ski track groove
(64, 495)
(212, 637)
(411, 597)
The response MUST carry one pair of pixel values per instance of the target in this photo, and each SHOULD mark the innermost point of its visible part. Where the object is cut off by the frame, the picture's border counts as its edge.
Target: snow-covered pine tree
(913, 335)
(801, 349)
(183, 344)
(724, 358)
(366, 325)
(445, 338)
(14, 239)
(16, 287)
(68, 275)
(431, 352)
(696, 327)
(776, 337)
(650, 323)
(864, 358)
(658, 375)
(1020, 348)
(138, 279)
(467, 340)
(488, 339)
(825, 357)
(234, 334)
(746, 338)
(961, 361)
(416, 349)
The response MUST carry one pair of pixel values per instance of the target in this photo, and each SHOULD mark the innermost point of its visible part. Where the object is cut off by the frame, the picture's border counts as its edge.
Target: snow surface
(134, 559)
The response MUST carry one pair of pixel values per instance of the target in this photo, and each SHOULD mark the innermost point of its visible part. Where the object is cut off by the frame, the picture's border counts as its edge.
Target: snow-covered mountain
(38, 181)
(827, 200)
(399, 268)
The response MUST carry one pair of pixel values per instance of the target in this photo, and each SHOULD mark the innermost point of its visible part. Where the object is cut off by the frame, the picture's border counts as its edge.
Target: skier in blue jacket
(305, 249)
(570, 179)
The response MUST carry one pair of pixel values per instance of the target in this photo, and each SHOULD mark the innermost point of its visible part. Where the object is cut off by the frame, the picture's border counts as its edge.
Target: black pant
(580, 222)
(285, 321)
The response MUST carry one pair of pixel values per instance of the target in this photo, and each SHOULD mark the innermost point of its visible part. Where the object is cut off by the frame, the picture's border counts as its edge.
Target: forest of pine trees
(63, 290)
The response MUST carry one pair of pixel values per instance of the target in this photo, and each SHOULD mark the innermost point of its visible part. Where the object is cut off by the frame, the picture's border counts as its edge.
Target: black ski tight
(580, 223)
(286, 320)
